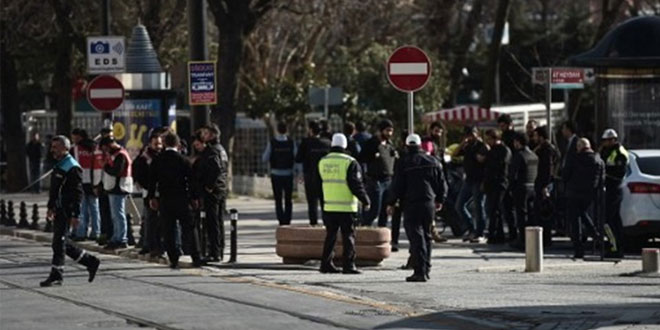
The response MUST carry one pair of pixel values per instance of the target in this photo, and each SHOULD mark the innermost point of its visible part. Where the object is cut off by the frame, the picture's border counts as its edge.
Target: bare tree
(494, 53)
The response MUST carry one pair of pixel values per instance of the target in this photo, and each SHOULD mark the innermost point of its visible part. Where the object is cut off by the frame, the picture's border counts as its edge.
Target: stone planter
(298, 244)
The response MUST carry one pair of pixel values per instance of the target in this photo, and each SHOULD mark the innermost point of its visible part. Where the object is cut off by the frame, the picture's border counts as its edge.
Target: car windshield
(649, 165)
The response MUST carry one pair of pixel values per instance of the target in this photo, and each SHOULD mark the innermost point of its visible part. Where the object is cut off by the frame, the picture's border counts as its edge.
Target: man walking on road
(171, 177)
(280, 153)
(616, 158)
(213, 164)
(312, 149)
(496, 182)
(583, 180)
(522, 173)
(64, 210)
(341, 179)
(419, 185)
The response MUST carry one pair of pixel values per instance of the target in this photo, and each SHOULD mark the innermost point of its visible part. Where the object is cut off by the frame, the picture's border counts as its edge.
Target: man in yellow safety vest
(341, 178)
(616, 160)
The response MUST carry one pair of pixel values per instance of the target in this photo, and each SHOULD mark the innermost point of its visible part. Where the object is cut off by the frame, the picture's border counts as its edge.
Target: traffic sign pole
(411, 114)
(548, 101)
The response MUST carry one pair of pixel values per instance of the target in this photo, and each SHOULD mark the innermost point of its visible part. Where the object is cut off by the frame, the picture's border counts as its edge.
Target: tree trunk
(494, 54)
(12, 130)
(62, 83)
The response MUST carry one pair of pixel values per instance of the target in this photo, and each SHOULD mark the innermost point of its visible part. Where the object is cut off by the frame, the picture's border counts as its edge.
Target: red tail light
(643, 188)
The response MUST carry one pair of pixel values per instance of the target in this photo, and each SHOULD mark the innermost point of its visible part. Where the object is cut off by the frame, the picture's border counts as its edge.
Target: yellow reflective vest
(337, 196)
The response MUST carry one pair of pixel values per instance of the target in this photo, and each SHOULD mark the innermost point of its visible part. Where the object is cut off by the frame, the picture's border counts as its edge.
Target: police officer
(171, 176)
(583, 179)
(212, 167)
(419, 184)
(311, 150)
(342, 186)
(616, 159)
(522, 173)
(280, 153)
(64, 209)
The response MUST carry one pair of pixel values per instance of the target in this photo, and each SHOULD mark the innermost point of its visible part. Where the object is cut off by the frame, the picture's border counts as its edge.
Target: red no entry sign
(105, 93)
(408, 69)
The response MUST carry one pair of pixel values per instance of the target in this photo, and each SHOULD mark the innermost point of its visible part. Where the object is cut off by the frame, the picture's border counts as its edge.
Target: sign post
(105, 93)
(201, 83)
(408, 70)
(106, 54)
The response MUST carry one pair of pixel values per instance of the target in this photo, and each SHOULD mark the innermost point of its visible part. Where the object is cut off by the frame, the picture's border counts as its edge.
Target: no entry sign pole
(408, 70)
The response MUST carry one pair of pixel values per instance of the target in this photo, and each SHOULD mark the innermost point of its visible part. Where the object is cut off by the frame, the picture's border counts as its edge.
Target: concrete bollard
(35, 217)
(534, 249)
(22, 216)
(233, 231)
(11, 216)
(650, 260)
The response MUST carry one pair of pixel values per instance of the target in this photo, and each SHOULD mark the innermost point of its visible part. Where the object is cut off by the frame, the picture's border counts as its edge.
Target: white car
(640, 207)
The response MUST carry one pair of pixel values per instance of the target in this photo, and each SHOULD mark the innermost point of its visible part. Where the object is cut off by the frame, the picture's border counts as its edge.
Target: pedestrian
(118, 184)
(616, 159)
(34, 150)
(90, 158)
(311, 150)
(568, 132)
(397, 208)
(353, 149)
(522, 173)
(531, 125)
(341, 180)
(419, 185)
(496, 183)
(473, 151)
(548, 164)
(436, 139)
(151, 242)
(280, 154)
(107, 230)
(379, 155)
(505, 123)
(361, 135)
(170, 193)
(213, 167)
(64, 210)
(326, 132)
(583, 180)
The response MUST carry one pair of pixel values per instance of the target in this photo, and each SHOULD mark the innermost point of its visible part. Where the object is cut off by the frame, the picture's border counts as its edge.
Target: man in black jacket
(64, 210)
(280, 153)
(420, 185)
(583, 181)
(341, 180)
(505, 123)
(496, 183)
(474, 152)
(522, 174)
(353, 149)
(547, 169)
(171, 176)
(151, 242)
(380, 155)
(311, 150)
(213, 164)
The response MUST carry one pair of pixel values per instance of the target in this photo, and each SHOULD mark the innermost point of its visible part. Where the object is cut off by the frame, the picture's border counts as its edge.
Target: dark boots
(55, 277)
(92, 263)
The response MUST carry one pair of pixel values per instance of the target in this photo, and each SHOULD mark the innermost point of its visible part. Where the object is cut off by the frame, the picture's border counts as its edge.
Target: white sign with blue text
(106, 54)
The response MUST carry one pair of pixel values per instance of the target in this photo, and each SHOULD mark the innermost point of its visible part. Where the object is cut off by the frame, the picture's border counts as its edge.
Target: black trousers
(313, 196)
(60, 244)
(152, 240)
(396, 224)
(417, 220)
(214, 224)
(522, 198)
(173, 209)
(577, 208)
(495, 212)
(613, 197)
(509, 209)
(282, 190)
(335, 221)
(106, 218)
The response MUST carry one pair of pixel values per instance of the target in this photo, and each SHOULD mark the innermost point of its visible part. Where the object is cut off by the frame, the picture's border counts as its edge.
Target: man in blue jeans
(379, 155)
(118, 183)
(474, 152)
(90, 158)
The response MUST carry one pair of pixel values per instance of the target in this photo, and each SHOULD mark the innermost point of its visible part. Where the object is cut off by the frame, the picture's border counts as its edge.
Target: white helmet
(609, 134)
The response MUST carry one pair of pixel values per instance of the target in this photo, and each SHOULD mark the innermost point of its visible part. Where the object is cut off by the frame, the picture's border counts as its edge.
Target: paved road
(472, 286)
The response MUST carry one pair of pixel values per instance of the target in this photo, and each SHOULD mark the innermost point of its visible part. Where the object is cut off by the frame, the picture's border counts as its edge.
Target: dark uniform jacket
(587, 174)
(496, 166)
(418, 179)
(379, 157)
(211, 170)
(66, 187)
(282, 154)
(171, 175)
(353, 148)
(474, 170)
(141, 166)
(548, 161)
(508, 137)
(311, 150)
(522, 172)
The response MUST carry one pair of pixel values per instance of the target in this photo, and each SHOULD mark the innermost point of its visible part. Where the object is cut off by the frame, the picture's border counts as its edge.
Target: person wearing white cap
(616, 159)
(419, 185)
(342, 188)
